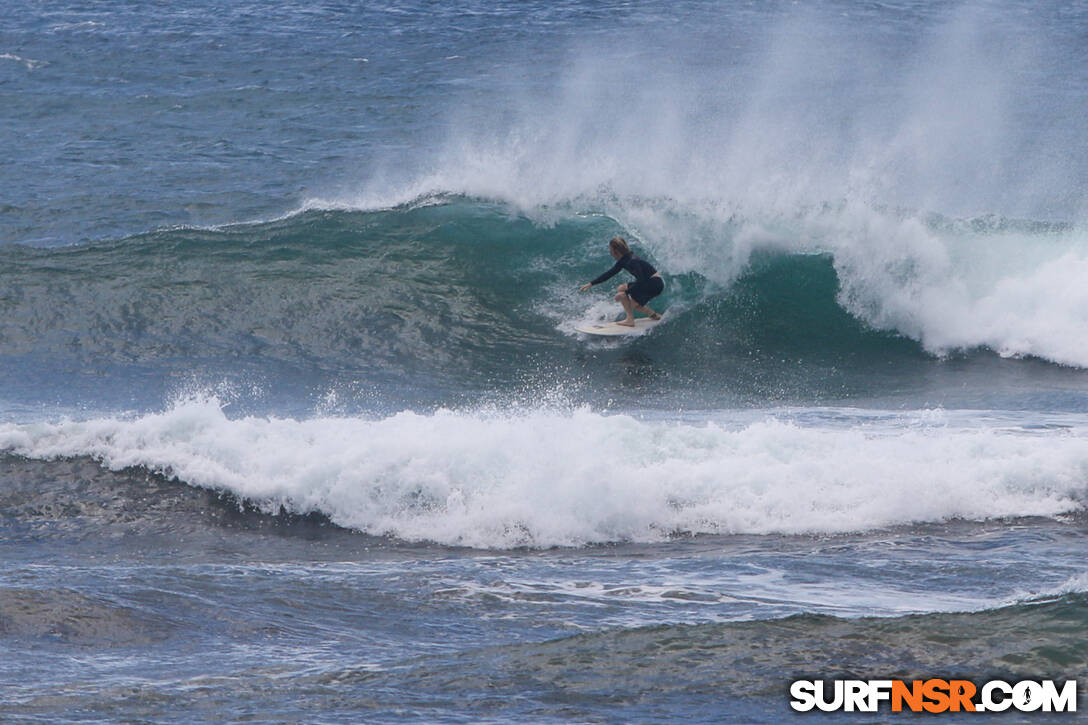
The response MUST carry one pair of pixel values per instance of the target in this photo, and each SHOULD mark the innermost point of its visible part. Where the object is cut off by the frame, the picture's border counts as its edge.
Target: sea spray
(847, 201)
(800, 110)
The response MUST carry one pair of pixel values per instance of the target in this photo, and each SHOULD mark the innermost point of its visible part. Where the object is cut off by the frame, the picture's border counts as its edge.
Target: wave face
(498, 480)
(294, 418)
(832, 209)
(908, 156)
(456, 294)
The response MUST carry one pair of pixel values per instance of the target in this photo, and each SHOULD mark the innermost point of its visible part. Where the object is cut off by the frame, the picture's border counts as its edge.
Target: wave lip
(459, 290)
(545, 478)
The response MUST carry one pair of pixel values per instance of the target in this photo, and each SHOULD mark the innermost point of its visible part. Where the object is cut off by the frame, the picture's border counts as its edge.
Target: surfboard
(642, 324)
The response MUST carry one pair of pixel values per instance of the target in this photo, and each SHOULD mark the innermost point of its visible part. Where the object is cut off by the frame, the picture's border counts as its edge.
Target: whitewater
(500, 480)
(296, 425)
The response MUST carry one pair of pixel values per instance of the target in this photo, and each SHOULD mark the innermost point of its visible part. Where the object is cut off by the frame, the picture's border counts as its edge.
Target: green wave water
(455, 298)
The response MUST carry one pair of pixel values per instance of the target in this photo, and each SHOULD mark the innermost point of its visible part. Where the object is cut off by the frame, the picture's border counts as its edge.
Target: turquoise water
(295, 424)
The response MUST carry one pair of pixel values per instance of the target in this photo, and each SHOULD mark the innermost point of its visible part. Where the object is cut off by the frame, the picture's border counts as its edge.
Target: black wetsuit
(645, 287)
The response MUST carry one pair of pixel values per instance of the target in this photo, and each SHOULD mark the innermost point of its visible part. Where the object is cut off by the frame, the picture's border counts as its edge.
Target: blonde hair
(618, 245)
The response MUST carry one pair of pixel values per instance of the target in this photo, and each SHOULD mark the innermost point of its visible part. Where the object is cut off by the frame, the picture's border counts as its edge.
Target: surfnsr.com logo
(933, 695)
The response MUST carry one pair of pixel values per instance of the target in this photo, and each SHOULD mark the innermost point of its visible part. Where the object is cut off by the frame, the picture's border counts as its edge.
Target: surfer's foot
(627, 323)
(654, 316)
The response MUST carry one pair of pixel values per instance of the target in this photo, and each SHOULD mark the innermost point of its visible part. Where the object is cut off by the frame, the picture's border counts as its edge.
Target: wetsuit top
(637, 266)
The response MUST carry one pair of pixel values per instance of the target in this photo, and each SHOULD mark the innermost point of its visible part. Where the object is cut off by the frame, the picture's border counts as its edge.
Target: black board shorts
(644, 290)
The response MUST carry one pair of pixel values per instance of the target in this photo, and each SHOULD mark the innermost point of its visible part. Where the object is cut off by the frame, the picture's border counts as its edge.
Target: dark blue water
(295, 424)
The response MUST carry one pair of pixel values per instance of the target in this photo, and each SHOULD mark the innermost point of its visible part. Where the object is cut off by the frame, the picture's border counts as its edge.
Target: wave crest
(553, 478)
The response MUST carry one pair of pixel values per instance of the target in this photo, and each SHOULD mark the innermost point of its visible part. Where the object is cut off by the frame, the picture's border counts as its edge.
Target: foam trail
(546, 478)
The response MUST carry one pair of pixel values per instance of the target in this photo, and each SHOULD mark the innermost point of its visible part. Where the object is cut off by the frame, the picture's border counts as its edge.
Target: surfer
(632, 295)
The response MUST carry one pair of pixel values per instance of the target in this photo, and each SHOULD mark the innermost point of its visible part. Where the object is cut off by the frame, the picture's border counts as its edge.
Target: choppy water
(295, 424)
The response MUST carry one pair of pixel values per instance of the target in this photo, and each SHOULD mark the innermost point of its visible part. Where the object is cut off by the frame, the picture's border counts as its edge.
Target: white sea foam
(812, 140)
(1075, 584)
(84, 26)
(30, 63)
(544, 478)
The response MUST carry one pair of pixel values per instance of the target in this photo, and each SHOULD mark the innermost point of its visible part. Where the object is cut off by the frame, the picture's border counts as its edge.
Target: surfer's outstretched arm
(605, 276)
(635, 295)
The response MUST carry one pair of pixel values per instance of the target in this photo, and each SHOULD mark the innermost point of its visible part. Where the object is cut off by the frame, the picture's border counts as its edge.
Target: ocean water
(295, 425)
